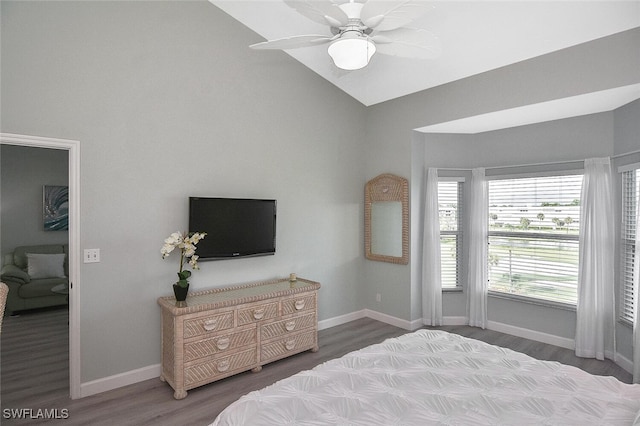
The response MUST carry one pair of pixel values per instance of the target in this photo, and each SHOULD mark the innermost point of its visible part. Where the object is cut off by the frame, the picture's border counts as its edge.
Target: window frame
(458, 233)
(532, 236)
(627, 245)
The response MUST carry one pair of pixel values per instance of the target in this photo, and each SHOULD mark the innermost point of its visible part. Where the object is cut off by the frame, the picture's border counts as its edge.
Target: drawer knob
(290, 344)
(211, 324)
(223, 365)
(299, 304)
(222, 343)
(290, 325)
(258, 314)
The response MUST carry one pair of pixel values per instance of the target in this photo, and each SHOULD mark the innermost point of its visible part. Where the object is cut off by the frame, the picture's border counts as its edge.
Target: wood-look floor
(34, 373)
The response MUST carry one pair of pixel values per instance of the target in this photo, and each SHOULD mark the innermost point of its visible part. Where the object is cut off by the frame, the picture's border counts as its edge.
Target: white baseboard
(153, 371)
(388, 319)
(624, 362)
(538, 336)
(455, 320)
(491, 325)
(415, 324)
(119, 380)
(342, 319)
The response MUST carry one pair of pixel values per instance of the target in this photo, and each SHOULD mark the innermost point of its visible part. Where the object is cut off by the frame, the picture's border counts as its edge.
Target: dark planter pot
(180, 292)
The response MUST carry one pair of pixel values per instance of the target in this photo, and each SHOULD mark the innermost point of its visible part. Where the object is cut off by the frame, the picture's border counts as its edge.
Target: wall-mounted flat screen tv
(235, 227)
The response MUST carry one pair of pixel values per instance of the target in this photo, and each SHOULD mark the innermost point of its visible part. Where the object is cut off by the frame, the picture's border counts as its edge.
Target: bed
(434, 377)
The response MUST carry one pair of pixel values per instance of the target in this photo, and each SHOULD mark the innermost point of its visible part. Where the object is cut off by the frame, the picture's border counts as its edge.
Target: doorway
(73, 149)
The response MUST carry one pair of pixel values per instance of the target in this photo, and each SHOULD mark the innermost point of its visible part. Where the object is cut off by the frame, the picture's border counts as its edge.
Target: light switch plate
(91, 255)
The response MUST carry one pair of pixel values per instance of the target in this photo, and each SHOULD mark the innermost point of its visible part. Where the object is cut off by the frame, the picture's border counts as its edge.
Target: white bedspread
(434, 377)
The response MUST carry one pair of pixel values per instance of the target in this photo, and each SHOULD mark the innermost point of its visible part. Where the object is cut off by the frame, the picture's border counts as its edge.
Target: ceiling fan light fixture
(351, 52)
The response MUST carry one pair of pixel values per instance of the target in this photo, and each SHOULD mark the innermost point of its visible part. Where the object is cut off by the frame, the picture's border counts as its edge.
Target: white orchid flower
(187, 244)
(189, 250)
(175, 238)
(166, 249)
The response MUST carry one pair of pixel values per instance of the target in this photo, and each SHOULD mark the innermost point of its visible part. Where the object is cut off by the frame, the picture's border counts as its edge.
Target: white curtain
(478, 279)
(431, 273)
(595, 325)
(636, 298)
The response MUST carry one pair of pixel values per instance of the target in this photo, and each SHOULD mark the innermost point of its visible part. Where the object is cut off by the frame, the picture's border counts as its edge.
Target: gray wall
(577, 138)
(167, 102)
(562, 140)
(627, 140)
(627, 128)
(23, 173)
(573, 71)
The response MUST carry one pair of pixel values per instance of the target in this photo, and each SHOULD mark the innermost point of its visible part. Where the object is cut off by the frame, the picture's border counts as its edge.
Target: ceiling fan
(361, 28)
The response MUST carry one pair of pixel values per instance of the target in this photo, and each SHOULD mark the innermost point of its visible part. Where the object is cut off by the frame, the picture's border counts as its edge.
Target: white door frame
(73, 147)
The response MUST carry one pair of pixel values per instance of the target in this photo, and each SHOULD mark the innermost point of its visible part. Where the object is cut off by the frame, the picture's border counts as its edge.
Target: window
(450, 214)
(630, 200)
(533, 237)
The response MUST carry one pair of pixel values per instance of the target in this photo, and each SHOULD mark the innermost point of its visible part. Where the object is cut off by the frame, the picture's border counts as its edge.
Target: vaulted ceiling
(475, 36)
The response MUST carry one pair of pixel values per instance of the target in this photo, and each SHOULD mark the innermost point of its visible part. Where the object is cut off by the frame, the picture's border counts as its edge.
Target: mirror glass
(386, 228)
(387, 219)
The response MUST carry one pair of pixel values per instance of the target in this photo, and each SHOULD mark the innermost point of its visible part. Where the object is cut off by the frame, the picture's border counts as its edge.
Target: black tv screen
(235, 227)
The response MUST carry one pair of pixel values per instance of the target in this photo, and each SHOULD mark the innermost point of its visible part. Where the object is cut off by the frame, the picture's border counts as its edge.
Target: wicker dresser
(223, 331)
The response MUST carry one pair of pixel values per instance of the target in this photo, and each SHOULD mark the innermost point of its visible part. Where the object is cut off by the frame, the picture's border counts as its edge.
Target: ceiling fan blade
(323, 12)
(385, 15)
(408, 43)
(293, 42)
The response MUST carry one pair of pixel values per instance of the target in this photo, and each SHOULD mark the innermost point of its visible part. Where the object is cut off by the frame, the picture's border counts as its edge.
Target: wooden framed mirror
(386, 219)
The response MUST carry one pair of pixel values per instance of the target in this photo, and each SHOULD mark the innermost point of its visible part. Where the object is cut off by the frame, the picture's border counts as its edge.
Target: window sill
(532, 301)
(452, 290)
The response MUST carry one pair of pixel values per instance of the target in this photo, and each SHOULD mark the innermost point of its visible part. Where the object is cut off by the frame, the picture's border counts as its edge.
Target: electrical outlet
(91, 255)
(378, 297)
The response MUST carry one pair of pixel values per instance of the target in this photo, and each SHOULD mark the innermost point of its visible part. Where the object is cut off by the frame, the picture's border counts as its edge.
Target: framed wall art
(56, 208)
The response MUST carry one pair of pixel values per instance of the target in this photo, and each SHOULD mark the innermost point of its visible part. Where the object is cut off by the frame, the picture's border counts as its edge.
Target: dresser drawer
(219, 344)
(257, 312)
(212, 370)
(304, 302)
(228, 330)
(207, 324)
(291, 325)
(288, 345)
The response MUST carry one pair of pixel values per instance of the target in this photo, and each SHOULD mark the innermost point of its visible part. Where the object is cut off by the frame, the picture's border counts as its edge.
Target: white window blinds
(533, 237)
(450, 214)
(630, 200)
